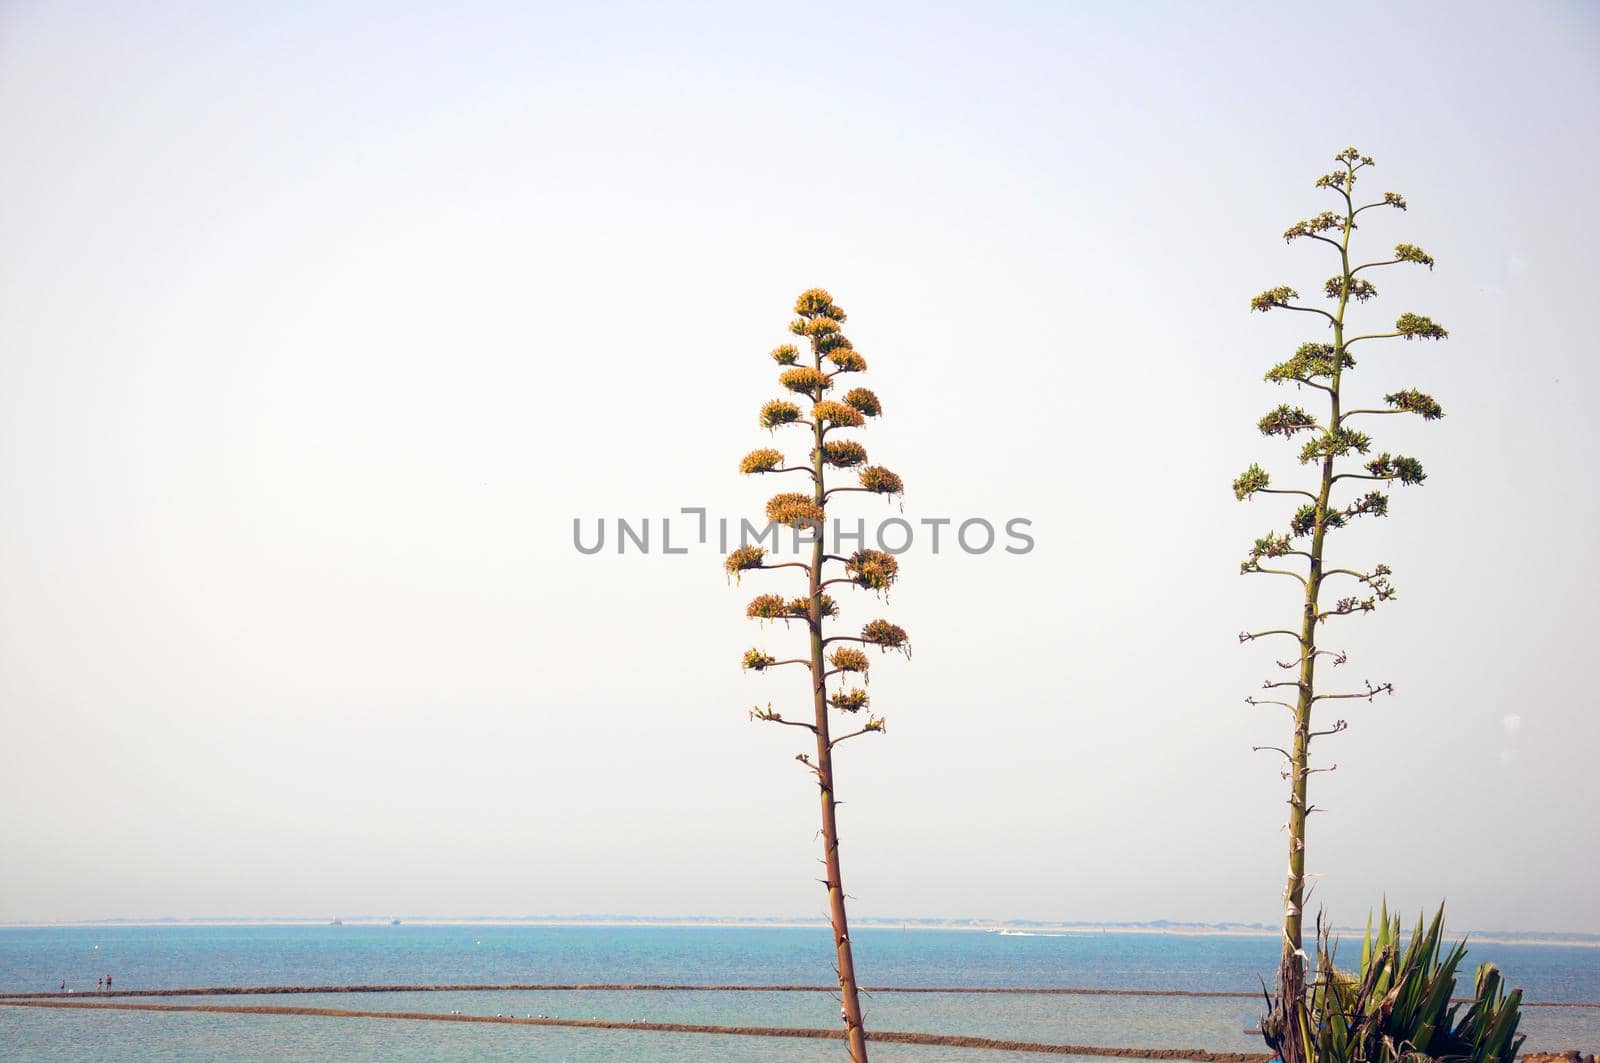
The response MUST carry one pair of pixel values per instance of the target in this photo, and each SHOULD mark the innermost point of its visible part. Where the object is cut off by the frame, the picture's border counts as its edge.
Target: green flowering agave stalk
(1399, 1005)
(1348, 483)
(831, 658)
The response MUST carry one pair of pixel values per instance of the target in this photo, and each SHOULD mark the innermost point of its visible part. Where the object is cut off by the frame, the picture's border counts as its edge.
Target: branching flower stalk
(831, 657)
(1341, 452)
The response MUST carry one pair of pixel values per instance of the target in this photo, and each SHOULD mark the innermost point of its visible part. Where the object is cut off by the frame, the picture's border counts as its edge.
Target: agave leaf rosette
(1401, 1002)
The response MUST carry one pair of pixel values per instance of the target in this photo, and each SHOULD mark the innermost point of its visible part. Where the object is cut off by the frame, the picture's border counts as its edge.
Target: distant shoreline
(1015, 929)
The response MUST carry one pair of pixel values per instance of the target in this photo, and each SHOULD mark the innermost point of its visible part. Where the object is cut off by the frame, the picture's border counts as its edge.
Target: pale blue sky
(318, 327)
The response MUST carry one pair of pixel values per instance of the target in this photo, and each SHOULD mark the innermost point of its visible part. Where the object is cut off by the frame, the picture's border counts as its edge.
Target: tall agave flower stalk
(1340, 454)
(812, 376)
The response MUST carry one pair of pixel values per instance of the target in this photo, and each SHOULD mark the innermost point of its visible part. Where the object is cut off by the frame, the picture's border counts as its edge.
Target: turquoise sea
(38, 959)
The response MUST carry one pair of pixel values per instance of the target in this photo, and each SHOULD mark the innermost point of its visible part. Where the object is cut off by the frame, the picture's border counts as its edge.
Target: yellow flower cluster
(814, 327)
(816, 301)
(776, 607)
(880, 480)
(887, 636)
(864, 400)
(837, 414)
(805, 380)
(848, 659)
(829, 607)
(743, 559)
(794, 509)
(767, 607)
(847, 360)
(785, 354)
(756, 661)
(764, 460)
(843, 453)
(873, 569)
(777, 412)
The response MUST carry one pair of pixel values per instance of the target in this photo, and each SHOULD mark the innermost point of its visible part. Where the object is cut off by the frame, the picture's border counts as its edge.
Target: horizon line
(1223, 928)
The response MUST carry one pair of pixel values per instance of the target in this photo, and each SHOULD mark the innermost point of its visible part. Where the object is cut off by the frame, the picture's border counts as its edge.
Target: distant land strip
(885, 1037)
(665, 987)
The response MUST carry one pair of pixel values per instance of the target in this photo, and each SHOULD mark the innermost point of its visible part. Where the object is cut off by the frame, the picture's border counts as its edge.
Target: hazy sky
(319, 325)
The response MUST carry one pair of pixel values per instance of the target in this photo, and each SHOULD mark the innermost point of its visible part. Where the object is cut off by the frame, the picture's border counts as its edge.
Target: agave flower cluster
(809, 371)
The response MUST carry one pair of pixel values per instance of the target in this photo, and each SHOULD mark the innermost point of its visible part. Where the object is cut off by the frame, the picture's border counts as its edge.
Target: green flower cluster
(853, 700)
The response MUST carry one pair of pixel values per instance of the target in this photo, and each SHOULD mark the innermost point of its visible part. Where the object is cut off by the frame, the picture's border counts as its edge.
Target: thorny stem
(849, 996)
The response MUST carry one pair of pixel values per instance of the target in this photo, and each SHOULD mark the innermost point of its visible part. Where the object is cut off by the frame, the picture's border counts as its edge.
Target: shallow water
(37, 959)
(34, 1035)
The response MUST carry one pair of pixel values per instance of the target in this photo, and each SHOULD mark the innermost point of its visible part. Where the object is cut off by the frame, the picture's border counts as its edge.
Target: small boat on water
(337, 922)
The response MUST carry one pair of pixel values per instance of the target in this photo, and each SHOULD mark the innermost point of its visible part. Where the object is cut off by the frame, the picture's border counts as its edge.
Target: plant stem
(1291, 970)
(849, 998)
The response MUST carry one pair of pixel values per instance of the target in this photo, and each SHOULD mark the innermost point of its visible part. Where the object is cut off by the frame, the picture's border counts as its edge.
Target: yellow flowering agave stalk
(819, 322)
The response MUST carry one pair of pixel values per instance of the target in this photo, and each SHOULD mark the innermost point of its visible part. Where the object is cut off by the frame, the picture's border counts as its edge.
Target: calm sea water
(140, 957)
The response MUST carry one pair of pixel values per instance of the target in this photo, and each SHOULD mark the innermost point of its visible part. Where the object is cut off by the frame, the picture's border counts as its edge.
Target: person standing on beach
(100, 984)
(108, 983)
(63, 985)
